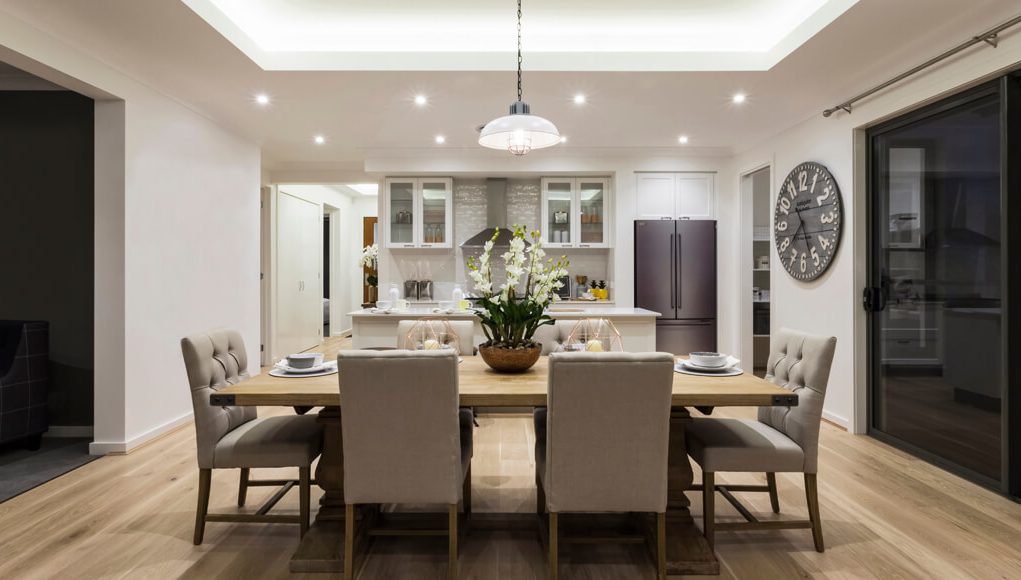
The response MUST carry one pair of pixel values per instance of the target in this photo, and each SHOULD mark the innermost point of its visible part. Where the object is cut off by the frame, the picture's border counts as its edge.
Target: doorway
(938, 284)
(761, 248)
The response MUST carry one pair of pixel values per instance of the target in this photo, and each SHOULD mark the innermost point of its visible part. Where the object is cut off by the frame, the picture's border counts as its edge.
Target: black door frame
(1008, 89)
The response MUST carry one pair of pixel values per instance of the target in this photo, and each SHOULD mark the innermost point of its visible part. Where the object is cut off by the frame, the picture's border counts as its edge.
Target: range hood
(496, 217)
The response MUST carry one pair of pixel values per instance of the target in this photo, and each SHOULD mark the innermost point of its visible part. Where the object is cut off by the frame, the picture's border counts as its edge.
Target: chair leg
(205, 477)
(661, 546)
(540, 496)
(452, 542)
(466, 492)
(349, 541)
(304, 487)
(243, 487)
(774, 499)
(709, 508)
(554, 565)
(812, 495)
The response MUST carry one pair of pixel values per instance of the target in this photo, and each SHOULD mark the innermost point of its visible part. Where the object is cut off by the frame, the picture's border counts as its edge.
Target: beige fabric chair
(584, 466)
(783, 439)
(464, 329)
(553, 336)
(404, 438)
(233, 437)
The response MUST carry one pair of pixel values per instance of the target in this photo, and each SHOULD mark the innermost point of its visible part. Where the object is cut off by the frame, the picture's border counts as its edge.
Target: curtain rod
(989, 37)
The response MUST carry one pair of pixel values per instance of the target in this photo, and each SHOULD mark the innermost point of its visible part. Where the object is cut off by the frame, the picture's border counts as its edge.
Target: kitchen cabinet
(576, 212)
(671, 196)
(419, 212)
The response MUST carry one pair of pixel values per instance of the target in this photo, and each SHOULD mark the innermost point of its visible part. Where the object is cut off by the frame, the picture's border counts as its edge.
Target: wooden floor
(885, 514)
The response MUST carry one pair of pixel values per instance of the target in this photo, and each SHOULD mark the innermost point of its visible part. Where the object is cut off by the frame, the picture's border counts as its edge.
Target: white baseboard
(124, 447)
(836, 420)
(345, 332)
(69, 431)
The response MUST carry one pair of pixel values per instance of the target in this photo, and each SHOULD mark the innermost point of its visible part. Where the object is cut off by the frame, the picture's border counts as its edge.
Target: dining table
(479, 386)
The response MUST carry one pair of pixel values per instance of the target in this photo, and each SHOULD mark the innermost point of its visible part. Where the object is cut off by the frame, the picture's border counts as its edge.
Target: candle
(594, 346)
(431, 344)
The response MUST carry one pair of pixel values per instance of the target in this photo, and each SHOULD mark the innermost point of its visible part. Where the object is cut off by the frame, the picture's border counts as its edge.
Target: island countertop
(566, 312)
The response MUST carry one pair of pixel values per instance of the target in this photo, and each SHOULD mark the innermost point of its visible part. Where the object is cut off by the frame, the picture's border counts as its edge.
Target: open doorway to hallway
(315, 275)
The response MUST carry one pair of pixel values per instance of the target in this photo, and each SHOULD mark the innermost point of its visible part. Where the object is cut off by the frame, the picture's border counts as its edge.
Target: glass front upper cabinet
(419, 211)
(436, 197)
(575, 212)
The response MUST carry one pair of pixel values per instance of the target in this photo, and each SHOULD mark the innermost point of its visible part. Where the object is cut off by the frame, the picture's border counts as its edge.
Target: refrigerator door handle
(673, 266)
(680, 268)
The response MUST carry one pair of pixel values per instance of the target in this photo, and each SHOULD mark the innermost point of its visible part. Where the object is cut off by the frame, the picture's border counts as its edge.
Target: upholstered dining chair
(235, 438)
(782, 439)
(582, 465)
(404, 438)
(553, 336)
(464, 329)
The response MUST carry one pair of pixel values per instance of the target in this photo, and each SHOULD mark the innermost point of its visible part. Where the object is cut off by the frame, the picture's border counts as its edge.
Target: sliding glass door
(937, 284)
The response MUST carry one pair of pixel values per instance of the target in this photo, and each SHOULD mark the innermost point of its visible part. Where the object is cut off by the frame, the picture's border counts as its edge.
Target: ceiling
(575, 35)
(363, 114)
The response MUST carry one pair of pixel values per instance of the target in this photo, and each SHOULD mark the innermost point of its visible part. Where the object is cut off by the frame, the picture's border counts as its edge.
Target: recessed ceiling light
(319, 139)
(262, 99)
(563, 138)
(365, 188)
(740, 98)
(440, 139)
(683, 139)
(421, 100)
(579, 99)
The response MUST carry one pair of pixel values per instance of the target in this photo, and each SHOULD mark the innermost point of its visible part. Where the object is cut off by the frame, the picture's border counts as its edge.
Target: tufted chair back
(214, 360)
(800, 363)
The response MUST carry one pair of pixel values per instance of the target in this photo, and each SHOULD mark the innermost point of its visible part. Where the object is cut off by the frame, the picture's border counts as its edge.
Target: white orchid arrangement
(369, 256)
(510, 320)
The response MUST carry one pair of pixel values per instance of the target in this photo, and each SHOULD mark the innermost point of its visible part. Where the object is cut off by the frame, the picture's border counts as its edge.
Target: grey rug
(21, 470)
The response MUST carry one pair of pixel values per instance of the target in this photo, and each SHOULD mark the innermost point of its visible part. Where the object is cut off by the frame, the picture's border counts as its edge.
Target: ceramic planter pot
(510, 360)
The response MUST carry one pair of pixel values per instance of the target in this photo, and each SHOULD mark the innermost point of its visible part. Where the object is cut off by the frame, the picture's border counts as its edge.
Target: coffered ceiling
(578, 35)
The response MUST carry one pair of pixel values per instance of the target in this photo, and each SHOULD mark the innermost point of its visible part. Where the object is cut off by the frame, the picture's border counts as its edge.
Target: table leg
(321, 550)
(688, 552)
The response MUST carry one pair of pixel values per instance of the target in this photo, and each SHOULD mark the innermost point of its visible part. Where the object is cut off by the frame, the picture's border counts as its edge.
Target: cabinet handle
(409, 245)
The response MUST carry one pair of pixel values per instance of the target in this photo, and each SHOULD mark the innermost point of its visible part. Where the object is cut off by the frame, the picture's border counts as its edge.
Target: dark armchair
(24, 380)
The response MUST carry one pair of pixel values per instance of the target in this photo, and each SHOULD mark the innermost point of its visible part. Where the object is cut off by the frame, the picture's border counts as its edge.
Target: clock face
(807, 221)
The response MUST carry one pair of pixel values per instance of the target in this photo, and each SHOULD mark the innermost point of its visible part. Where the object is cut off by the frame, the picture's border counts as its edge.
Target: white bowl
(305, 360)
(384, 304)
(708, 359)
(446, 304)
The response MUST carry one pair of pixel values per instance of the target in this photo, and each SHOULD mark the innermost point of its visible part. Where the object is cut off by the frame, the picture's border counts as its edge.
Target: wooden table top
(480, 386)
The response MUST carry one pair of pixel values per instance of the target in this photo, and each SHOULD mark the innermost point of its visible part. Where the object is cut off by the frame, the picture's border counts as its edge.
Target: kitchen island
(637, 326)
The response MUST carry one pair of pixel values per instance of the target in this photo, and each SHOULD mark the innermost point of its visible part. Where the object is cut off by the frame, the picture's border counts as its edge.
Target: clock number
(785, 205)
(783, 245)
(825, 195)
(803, 265)
(791, 191)
(815, 257)
(803, 180)
(794, 256)
(815, 178)
(825, 242)
(829, 217)
(781, 227)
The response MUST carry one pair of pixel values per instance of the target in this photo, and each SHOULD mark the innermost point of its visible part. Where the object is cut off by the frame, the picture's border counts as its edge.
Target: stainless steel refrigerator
(675, 275)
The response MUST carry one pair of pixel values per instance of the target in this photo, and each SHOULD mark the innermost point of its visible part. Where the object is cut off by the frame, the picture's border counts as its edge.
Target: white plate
(731, 372)
(713, 370)
(283, 366)
(731, 363)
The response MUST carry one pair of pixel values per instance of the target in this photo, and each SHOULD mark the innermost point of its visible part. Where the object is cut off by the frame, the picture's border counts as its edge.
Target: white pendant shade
(519, 133)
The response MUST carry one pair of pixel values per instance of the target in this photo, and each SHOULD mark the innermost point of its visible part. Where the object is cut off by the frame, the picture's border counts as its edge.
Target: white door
(298, 295)
(655, 195)
(695, 196)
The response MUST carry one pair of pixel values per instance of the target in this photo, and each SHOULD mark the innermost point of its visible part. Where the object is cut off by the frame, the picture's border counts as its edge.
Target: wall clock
(808, 221)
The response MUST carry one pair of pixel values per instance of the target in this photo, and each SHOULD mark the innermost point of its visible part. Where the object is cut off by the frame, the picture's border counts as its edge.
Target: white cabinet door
(298, 296)
(695, 196)
(559, 209)
(593, 212)
(402, 214)
(655, 196)
(435, 204)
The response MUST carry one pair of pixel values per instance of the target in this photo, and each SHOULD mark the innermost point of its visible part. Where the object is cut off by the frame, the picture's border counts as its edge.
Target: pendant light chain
(519, 50)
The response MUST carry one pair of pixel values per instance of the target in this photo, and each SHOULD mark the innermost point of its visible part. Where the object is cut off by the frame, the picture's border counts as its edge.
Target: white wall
(831, 304)
(177, 236)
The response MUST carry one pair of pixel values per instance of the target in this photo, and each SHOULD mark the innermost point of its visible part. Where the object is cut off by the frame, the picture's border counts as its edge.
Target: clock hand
(804, 239)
